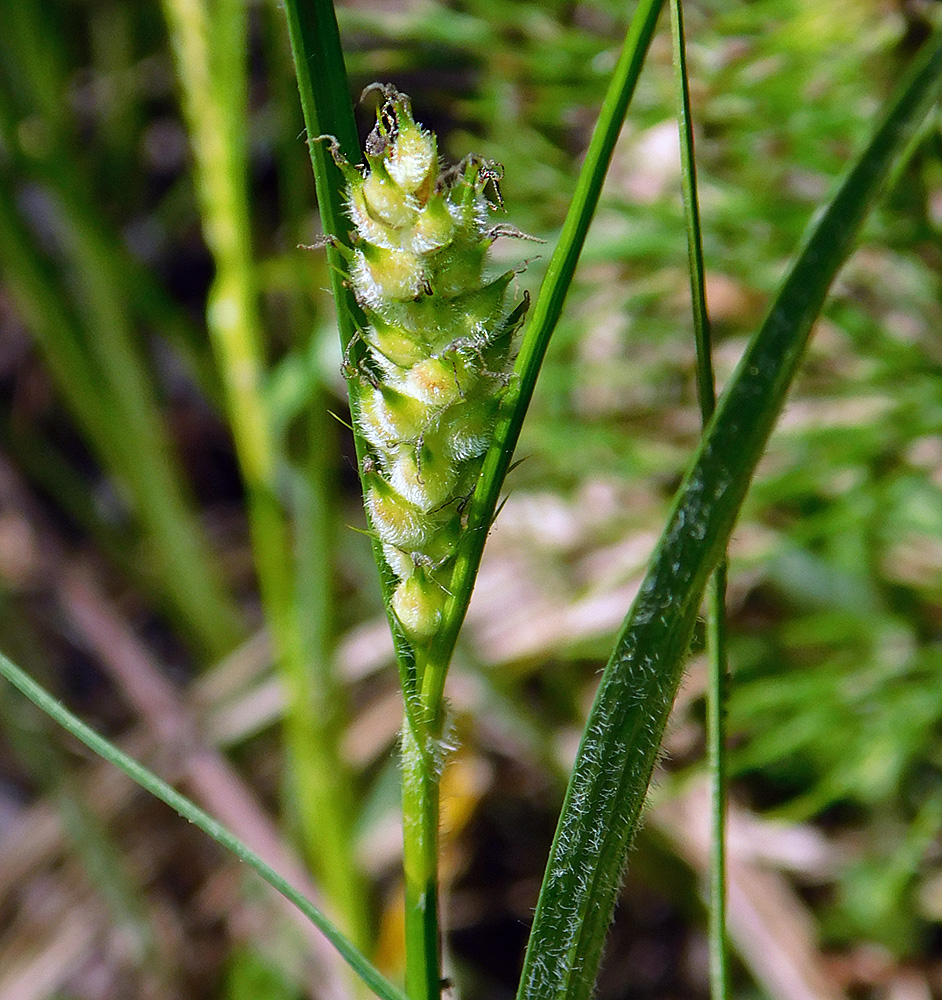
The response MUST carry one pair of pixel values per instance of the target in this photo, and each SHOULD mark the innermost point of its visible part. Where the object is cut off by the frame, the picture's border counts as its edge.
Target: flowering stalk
(426, 388)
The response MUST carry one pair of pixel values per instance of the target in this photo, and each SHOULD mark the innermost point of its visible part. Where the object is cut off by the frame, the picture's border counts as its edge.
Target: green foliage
(625, 727)
(835, 592)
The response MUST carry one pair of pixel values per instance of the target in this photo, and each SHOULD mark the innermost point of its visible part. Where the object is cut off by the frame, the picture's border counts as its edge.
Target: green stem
(716, 603)
(717, 694)
(420, 805)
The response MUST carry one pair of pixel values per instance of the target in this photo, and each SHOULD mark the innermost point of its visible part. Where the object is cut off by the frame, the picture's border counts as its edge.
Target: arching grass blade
(620, 744)
(191, 812)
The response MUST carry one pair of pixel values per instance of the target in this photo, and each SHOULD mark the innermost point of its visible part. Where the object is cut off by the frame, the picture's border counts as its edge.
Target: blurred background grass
(126, 569)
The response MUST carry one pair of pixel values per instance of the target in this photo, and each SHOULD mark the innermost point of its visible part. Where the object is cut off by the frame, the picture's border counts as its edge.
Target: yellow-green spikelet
(440, 349)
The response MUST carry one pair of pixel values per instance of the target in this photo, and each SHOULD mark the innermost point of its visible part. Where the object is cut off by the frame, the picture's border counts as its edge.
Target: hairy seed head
(424, 476)
(397, 521)
(439, 333)
(382, 274)
(386, 201)
(394, 344)
(388, 417)
(436, 381)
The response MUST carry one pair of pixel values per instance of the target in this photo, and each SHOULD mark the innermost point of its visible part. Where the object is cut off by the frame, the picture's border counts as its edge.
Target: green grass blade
(328, 110)
(536, 338)
(620, 744)
(192, 813)
(716, 711)
(325, 98)
(28, 733)
(717, 684)
(701, 320)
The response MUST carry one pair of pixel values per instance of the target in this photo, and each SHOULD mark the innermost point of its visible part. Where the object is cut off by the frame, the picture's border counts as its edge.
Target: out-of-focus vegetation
(123, 532)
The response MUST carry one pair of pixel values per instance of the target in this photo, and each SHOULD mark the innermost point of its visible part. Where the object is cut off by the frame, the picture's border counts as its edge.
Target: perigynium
(439, 336)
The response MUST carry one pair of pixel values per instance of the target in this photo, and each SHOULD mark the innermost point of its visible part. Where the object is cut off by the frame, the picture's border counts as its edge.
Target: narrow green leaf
(618, 751)
(688, 176)
(26, 730)
(718, 680)
(328, 112)
(191, 812)
(536, 338)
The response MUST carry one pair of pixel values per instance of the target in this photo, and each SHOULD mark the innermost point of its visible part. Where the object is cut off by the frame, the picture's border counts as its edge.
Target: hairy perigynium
(440, 347)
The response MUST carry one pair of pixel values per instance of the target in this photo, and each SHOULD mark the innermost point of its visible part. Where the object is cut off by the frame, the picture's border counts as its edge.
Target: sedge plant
(439, 390)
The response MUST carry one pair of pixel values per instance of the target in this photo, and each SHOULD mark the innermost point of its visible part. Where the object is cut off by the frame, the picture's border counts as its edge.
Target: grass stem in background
(717, 683)
(209, 42)
(94, 354)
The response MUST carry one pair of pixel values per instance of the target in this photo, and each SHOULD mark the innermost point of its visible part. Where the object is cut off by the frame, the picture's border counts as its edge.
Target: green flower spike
(439, 335)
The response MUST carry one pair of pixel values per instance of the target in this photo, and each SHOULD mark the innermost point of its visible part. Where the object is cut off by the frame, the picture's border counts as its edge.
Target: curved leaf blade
(537, 334)
(180, 804)
(620, 744)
